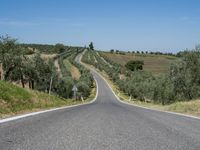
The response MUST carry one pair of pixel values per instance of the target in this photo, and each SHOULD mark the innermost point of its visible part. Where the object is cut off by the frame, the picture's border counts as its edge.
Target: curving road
(106, 124)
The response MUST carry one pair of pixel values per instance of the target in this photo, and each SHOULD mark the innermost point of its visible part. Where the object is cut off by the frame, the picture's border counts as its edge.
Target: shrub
(83, 88)
(134, 65)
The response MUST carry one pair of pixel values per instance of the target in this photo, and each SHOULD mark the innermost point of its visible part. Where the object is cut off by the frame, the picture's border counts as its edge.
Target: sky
(154, 25)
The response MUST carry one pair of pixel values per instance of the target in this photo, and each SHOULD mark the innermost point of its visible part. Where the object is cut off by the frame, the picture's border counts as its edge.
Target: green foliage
(91, 46)
(85, 82)
(65, 72)
(64, 87)
(36, 71)
(8, 92)
(59, 48)
(181, 83)
(134, 65)
(163, 91)
(14, 99)
(112, 51)
(45, 70)
(11, 56)
(122, 53)
(185, 76)
(83, 89)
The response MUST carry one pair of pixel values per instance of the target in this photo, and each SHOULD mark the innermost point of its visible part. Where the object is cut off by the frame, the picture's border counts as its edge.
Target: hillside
(31, 71)
(156, 64)
(156, 92)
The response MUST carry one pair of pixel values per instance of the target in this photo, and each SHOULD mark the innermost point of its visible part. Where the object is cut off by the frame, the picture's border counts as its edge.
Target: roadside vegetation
(16, 100)
(47, 69)
(178, 88)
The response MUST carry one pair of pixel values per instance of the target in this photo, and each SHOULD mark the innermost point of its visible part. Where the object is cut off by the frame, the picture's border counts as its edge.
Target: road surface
(106, 124)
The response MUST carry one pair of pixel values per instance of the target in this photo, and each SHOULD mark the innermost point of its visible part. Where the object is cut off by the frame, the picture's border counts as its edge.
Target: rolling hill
(156, 64)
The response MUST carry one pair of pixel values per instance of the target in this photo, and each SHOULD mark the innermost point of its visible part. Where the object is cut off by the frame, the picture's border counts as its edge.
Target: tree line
(46, 48)
(141, 52)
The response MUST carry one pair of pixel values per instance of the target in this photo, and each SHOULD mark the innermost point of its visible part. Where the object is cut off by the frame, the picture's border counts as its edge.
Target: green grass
(67, 64)
(16, 100)
(156, 64)
(190, 107)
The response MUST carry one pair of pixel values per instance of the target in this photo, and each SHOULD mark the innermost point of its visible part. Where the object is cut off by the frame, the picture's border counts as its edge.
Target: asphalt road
(106, 124)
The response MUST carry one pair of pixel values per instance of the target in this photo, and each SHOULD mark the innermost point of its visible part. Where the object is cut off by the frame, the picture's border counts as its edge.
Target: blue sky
(164, 25)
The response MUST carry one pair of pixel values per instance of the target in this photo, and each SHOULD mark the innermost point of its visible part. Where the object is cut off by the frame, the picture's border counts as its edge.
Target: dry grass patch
(58, 69)
(75, 73)
(190, 107)
(48, 56)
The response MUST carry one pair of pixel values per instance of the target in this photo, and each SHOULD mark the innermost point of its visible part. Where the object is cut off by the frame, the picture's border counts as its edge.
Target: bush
(64, 87)
(185, 76)
(59, 48)
(134, 65)
(163, 91)
(83, 88)
(112, 51)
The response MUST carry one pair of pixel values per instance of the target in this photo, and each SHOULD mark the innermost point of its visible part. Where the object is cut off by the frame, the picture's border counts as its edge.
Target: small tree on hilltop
(91, 46)
(59, 48)
(112, 51)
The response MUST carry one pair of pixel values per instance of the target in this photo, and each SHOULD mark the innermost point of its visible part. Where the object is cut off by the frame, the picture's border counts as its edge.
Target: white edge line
(169, 112)
(50, 110)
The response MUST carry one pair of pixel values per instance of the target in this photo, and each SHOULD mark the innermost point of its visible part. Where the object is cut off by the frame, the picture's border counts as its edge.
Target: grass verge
(15, 100)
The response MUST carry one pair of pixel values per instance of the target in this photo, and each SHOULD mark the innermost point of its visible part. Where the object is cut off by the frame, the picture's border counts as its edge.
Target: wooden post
(82, 99)
(75, 89)
(50, 85)
(1, 72)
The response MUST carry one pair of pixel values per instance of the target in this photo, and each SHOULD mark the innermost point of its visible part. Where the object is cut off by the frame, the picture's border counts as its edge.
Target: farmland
(156, 64)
